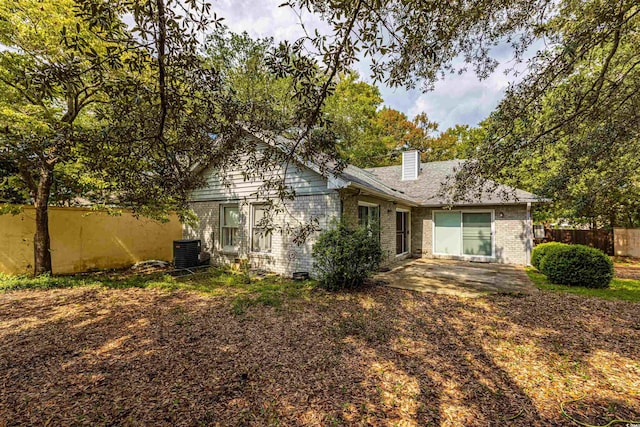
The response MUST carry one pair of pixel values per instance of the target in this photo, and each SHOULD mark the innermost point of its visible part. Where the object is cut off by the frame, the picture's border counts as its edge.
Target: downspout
(529, 235)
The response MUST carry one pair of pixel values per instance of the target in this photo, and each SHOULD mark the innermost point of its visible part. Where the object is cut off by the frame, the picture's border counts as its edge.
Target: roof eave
(380, 194)
(509, 203)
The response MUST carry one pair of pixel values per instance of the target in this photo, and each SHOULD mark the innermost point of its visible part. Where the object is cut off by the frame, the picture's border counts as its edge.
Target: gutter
(380, 194)
(529, 234)
(513, 203)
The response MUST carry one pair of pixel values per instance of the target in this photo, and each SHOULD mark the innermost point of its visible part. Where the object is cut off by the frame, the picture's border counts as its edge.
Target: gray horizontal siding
(301, 179)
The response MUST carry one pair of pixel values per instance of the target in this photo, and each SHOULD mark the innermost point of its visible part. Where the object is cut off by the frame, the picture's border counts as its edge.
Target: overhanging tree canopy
(578, 103)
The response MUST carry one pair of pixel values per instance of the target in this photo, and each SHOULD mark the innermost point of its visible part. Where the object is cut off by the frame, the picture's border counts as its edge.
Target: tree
(580, 94)
(573, 120)
(457, 142)
(350, 110)
(370, 134)
(243, 68)
(134, 110)
(88, 103)
(48, 80)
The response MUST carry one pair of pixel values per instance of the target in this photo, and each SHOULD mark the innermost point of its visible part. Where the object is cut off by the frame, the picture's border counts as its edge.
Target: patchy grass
(626, 261)
(161, 351)
(620, 289)
(245, 291)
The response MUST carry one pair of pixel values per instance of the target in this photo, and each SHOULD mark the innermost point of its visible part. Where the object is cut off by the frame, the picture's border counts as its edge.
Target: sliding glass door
(476, 233)
(463, 233)
(447, 237)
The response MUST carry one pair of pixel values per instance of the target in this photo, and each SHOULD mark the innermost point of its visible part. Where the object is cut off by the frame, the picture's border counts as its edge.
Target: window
(402, 232)
(368, 215)
(260, 236)
(463, 233)
(229, 223)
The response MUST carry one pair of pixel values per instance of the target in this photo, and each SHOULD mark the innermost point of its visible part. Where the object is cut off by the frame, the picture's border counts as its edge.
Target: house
(414, 220)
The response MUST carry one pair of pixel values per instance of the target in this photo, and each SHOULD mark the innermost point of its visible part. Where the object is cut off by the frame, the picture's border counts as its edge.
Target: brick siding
(285, 256)
(350, 201)
(513, 236)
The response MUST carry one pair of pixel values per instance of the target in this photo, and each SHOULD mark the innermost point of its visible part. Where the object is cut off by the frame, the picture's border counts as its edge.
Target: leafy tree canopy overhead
(367, 133)
(570, 130)
(574, 114)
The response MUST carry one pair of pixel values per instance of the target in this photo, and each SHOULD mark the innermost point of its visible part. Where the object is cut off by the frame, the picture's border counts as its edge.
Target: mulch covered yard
(98, 356)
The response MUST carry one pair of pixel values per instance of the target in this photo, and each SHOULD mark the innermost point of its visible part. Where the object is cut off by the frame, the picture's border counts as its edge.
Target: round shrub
(577, 265)
(541, 250)
(344, 256)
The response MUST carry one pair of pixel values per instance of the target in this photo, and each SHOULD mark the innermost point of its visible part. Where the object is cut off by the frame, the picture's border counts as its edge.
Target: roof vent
(410, 165)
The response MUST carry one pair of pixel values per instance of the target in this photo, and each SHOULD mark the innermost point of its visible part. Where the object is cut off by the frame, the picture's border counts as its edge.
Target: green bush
(540, 251)
(577, 265)
(345, 256)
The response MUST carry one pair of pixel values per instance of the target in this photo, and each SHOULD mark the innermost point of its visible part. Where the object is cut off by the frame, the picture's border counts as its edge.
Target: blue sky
(458, 99)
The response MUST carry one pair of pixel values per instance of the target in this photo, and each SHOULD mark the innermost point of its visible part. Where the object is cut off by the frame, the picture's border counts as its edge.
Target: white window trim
(251, 217)
(462, 255)
(371, 205)
(368, 204)
(408, 212)
(228, 249)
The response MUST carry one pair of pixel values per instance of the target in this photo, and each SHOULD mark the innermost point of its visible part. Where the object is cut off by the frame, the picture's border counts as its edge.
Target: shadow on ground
(382, 356)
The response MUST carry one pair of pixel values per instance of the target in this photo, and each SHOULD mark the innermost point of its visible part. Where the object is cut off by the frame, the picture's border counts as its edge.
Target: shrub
(345, 256)
(577, 265)
(541, 250)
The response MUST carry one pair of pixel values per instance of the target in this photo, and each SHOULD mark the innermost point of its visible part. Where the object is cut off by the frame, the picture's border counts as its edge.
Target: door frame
(408, 212)
(461, 255)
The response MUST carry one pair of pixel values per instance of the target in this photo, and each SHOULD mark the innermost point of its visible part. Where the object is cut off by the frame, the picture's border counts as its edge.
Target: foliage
(51, 70)
(577, 265)
(457, 142)
(345, 256)
(128, 114)
(569, 130)
(572, 118)
(541, 250)
(619, 289)
(271, 291)
(241, 63)
(411, 42)
(372, 135)
(350, 110)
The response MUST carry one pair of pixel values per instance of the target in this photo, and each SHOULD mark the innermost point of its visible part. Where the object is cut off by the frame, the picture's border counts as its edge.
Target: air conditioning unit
(185, 253)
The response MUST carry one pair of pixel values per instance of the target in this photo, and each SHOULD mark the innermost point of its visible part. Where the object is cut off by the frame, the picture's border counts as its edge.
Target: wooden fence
(600, 239)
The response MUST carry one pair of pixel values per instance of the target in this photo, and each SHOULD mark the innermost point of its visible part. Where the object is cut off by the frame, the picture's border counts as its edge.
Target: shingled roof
(386, 182)
(368, 181)
(425, 190)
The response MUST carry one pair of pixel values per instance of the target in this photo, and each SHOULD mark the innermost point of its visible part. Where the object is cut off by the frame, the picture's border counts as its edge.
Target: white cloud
(264, 18)
(461, 99)
(458, 99)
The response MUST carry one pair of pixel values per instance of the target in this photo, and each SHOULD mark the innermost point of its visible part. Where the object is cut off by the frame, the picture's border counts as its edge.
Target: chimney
(410, 165)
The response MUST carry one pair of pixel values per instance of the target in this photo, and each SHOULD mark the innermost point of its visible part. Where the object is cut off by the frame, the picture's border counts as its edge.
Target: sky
(458, 99)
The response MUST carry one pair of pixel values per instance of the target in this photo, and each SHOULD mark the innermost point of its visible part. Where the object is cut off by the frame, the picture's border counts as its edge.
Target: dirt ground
(382, 357)
(627, 268)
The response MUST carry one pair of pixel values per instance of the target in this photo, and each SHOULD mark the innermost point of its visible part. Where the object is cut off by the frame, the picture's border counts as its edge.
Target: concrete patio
(460, 278)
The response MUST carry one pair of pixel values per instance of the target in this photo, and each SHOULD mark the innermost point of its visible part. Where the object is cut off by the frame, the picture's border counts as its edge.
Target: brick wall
(350, 200)
(285, 256)
(513, 236)
(421, 232)
(513, 241)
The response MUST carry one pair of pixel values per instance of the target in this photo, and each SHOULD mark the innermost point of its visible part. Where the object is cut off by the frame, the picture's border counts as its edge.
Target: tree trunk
(41, 240)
